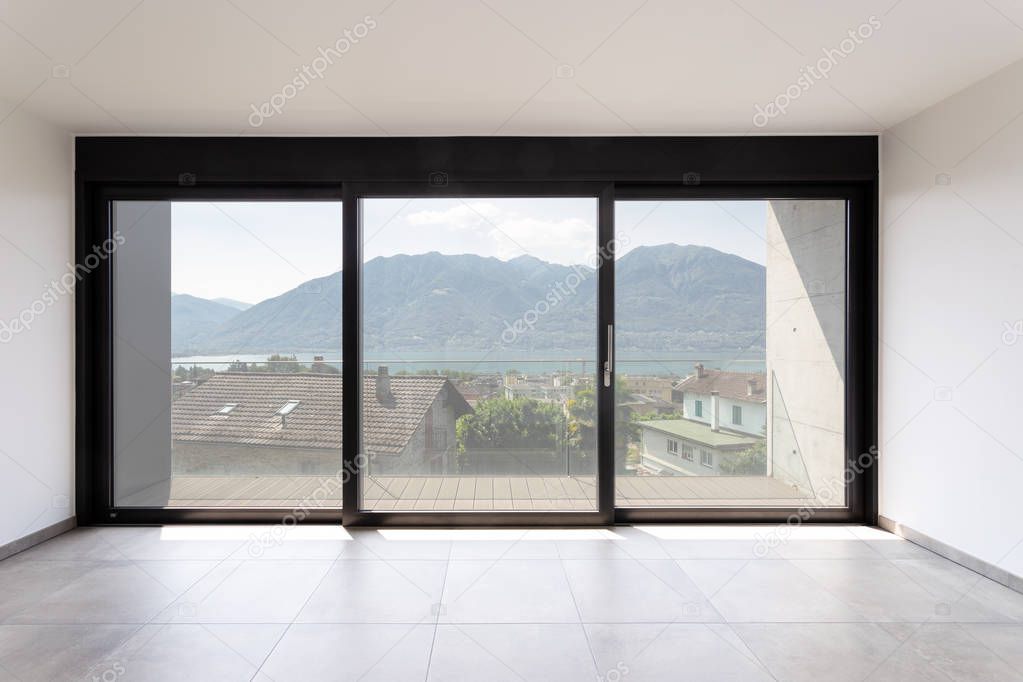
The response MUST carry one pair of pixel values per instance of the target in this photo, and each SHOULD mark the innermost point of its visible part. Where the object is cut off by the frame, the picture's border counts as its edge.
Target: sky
(251, 251)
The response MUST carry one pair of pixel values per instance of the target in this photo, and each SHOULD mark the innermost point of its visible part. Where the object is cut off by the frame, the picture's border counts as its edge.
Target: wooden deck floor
(467, 493)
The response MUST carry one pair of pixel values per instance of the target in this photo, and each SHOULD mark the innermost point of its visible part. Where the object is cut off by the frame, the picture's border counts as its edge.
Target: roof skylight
(288, 408)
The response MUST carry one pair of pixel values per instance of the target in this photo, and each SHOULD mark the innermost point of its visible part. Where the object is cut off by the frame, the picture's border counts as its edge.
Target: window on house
(707, 458)
(228, 408)
(687, 452)
(672, 447)
(736, 414)
(698, 408)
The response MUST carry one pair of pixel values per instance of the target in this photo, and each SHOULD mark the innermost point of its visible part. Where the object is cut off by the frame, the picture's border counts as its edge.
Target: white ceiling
(482, 67)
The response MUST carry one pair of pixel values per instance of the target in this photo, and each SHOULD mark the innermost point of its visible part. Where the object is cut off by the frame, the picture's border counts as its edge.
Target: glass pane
(227, 327)
(730, 337)
(479, 343)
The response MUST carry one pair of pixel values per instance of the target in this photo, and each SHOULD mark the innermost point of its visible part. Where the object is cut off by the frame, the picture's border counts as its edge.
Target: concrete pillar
(806, 344)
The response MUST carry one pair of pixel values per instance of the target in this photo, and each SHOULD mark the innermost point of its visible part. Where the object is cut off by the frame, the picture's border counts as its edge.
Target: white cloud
(464, 216)
(507, 233)
(570, 240)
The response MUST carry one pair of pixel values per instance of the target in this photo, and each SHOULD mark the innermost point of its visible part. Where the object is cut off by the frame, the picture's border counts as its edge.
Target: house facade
(736, 401)
(658, 388)
(724, 416)
(547, 388)
(685, 447)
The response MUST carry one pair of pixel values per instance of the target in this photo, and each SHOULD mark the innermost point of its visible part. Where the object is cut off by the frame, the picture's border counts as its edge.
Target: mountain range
(669, 297)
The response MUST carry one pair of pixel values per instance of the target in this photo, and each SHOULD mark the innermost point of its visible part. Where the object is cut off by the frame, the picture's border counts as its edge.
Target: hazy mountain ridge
(670, 297)
(239, 305)
(194, 318)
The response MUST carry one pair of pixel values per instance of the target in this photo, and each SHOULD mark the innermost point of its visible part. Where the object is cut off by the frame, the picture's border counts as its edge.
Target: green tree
(582, 428)
(582, 418)
(749, 462)
(513, 424)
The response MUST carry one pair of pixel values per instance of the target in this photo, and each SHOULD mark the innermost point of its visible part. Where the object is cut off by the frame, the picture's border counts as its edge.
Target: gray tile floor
(616, 605)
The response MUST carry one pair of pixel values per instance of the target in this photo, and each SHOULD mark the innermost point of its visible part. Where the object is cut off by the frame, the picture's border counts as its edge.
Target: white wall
(754, 415)
(36, 364)
(952, 278)
(654, 446)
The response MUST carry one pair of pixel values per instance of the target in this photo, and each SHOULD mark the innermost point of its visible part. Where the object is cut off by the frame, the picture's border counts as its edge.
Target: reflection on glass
(479, 354)
(729, 353)
(238, 307)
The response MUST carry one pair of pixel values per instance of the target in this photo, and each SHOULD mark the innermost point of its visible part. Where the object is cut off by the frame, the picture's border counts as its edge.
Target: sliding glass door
(226, 354)
(482, 356)
(730, 353)
(479, 354)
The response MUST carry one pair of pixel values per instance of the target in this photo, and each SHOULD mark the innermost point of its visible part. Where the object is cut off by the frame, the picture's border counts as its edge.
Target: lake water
(659, 363)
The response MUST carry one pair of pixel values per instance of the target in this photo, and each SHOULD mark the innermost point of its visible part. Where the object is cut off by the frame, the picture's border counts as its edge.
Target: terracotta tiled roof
(316, 421)
(729, 384)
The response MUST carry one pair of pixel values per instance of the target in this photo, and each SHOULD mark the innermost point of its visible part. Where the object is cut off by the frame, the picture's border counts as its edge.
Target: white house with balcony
(736, 401)
(725, 414)
(684, 447)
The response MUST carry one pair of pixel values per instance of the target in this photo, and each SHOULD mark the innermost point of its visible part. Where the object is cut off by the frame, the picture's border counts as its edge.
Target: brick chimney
(751, 386)
(715, 410)
(384, 394)
(700, 372)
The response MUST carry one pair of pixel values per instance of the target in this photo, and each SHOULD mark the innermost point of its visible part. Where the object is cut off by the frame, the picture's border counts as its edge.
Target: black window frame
(354, 194)
(275, 169)
(861, 449)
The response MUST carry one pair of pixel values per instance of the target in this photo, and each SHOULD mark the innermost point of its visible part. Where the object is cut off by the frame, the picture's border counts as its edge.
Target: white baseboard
(985, 568)
(38, 537)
